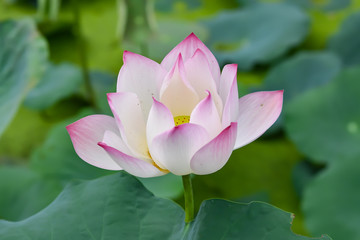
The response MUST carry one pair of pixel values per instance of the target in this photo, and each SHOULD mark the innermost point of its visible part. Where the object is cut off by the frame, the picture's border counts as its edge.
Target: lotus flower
(181, 116)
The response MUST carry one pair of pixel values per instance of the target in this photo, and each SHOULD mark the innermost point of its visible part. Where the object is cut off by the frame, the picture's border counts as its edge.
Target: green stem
(189, 198)
(41, 9)
(82, 53)
(54, 9)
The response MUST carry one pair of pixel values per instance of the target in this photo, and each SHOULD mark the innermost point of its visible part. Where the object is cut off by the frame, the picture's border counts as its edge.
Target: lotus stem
(189, 198)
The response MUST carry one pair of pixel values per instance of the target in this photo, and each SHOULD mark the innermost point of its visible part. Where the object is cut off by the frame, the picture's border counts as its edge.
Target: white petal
(141, 76)
(85, 135)
(176, 93)
(175, 148)
(134, 166)
(257, 112)
(127, 111)
(229, 94)
(214, 155)
(160, 120)
(113, 140)
(206, 115)
(187, 48)
(198, 74)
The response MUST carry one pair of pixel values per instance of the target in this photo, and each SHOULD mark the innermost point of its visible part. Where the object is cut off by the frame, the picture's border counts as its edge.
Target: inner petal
(176, 93)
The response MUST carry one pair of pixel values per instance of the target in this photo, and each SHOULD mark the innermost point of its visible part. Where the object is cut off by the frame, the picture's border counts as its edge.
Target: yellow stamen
(181, 120)
(161, 169)
(157, 166)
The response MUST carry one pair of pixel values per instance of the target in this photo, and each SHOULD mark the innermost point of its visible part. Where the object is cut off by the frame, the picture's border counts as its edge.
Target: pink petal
(176, 93)
(113, 140)
(86, 133)
(257, 112)
(175, 148)
(127, 111)
(229, 94)
(160, 120)
(199, 76)
(214, 155)
(229, 73)
(206, 115)
(187, 49)
(132, 165)
(141, 76)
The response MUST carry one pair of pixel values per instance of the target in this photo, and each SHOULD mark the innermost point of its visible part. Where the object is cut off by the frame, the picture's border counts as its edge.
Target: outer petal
(86, 133)
(141, 76)
(134, 166)
(229, 94)
(214, 155)
(206, 115)
(175, 148)
(199, 76)
(187, 48)
(257, 112)
(176, 93)
(127, 111)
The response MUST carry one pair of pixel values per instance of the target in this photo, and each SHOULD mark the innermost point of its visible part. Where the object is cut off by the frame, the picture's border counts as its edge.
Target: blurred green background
(58, 59)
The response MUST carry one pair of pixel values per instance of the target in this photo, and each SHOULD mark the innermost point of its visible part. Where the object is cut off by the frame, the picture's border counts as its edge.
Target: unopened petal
(132, 165)
(127, 111)
(229, 94)
(214, 155)
(206, 115)
(176, 93)
(198, 74)
(229, 73)
(257, 112)
(85, 135)
(141, 76)
(175, 148)
(160, 120)
(187, 48)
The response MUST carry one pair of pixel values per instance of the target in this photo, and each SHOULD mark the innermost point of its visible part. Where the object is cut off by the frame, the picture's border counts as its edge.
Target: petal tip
(192, 35)
(68, 127)
(233, 65)
(102, 144)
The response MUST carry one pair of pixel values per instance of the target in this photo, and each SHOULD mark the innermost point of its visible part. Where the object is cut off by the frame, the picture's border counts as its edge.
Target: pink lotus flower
(180, 116)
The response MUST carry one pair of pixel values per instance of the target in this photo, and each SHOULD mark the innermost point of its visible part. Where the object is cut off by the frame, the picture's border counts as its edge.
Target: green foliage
(260, 171)
(300, 73)
(139, 214)
(168, 5)
(220, 219)
(57, 152)
(168, 36)
(345, 43)
(272, 40)
(53, 165)
(102, 83)
(331, 201)
(21, 64)
(58, 82)
(263, 32)
(325, 123)
(15, 143)
(24, 192)
(325, 5)
(167, 186)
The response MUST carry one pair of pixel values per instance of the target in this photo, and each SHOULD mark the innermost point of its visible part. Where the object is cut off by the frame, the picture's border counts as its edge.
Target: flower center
(181, 120)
